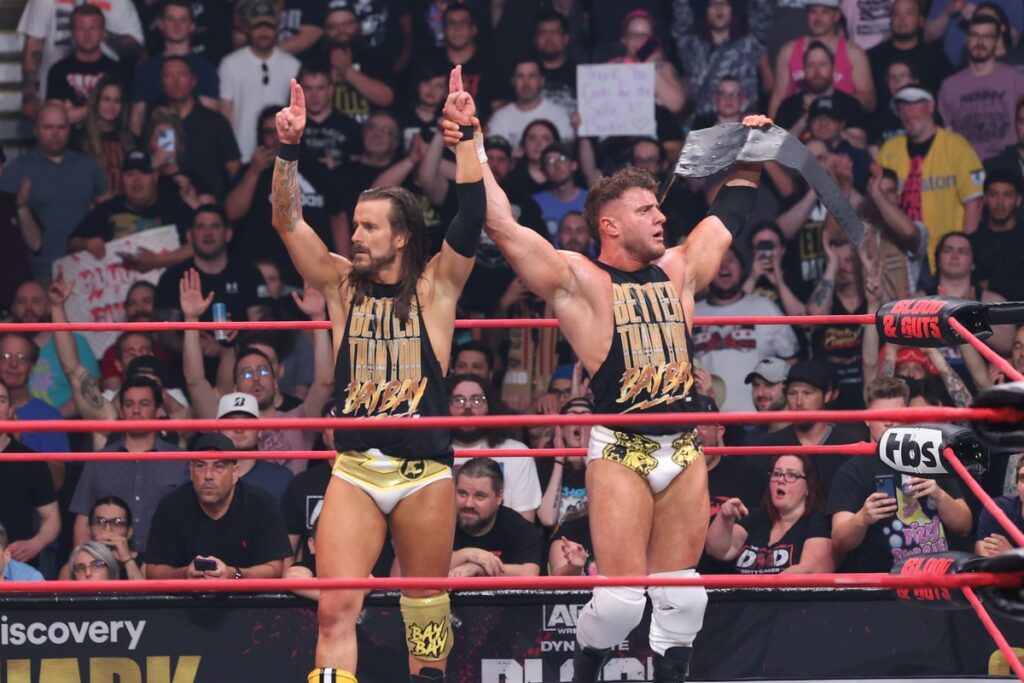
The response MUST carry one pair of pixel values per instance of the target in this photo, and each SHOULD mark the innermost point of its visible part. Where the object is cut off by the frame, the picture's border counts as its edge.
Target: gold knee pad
(324, 675)
(428, 626)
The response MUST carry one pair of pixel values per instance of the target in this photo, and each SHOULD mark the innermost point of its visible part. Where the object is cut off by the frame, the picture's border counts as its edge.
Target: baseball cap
(699, 403)
(137, 160)
(213, 441)
(146, 365)
(238, 404)
(340, 5)
(262, 13)
(498, 142)
(834, 4)
(811, 372)
(771, 370)
(907, 355)
(909, 94)
(826, 106)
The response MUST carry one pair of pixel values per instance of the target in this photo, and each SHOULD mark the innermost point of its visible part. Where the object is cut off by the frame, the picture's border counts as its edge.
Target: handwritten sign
(101, 285)
(616, 99)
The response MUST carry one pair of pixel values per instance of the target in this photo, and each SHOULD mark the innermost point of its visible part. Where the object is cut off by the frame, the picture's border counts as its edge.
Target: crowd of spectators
(160, 112)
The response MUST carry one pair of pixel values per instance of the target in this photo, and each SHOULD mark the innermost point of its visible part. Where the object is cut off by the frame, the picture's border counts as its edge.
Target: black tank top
(387, 368)
(648, 365)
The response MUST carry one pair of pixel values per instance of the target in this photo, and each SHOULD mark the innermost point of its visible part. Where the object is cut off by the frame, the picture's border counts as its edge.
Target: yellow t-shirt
(950, 175)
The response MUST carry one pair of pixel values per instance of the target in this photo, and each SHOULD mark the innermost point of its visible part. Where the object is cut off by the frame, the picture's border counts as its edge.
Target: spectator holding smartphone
(879, 517)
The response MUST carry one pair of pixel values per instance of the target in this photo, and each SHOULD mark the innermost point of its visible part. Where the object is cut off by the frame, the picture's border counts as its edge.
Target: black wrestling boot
(428, 674)
(587, 663)
(673, 666)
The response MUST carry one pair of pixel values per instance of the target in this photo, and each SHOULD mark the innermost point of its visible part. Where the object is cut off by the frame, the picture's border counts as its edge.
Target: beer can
(220, 315)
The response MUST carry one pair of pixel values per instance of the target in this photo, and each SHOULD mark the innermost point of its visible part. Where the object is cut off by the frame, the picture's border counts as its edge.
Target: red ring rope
(1016, 534)
(957, 581)
(986, 351)
(469, 323)
(904, 415)
(859, 449)
(1000, 640)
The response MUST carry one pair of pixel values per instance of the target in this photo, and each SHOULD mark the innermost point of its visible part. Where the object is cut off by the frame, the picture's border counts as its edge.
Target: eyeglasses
(18, 358)
(475, 400)
(110, 522)
(249, 373)
(95, 565)
(788, 475)
(552, 159)
(266, 73)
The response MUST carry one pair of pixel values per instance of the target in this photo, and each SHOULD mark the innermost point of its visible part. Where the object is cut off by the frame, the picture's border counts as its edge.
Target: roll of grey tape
(715, 149)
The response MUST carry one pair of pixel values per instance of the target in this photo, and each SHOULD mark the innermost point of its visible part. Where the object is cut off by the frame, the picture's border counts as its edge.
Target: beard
(725, 293)
(468, 435)
(642, 250)
(375, 263)
(903, 37)
(472, 523)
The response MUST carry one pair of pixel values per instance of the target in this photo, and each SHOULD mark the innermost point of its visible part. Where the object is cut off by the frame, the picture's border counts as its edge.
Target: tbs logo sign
(561, 618)
(913, 450)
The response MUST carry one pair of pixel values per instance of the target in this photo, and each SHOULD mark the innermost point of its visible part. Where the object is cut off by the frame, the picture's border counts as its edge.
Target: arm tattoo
(90, 390)
(287, 200)
(822, 293)
(955, 386)
(888, 367)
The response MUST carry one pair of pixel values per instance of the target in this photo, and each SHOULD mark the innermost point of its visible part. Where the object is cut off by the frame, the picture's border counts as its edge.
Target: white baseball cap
(909, 94)
(834, 4)
(238, 404)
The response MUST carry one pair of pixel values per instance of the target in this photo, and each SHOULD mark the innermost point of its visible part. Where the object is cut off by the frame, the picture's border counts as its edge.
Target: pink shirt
(842, 75)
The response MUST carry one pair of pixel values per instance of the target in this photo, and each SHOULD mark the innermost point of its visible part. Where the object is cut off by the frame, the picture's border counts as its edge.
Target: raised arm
(453, 264)
(193, 305)
(695, 262)
(543, 269)
(85, 387)
(308, 252)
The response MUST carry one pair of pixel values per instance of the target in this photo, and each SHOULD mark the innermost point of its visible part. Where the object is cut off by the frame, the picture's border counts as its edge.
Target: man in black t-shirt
(300, 25)
(141, 207)
(72, 79)
(331, 138)
(810, 386)
(361, 75)
(248, 205)
(26, 490)
(491, 539)
(216, 527)
(999, 239)
(874, 528)
(234, 282)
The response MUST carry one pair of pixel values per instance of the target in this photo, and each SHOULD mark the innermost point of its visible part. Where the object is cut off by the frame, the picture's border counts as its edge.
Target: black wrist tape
(289, 152)
(732, 205)
(467, 133)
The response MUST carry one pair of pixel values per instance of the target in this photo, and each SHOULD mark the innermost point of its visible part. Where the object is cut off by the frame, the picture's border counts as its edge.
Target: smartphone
(885, 483)
(203, 565)
(165, 140)
(647, 49)
(765, 248)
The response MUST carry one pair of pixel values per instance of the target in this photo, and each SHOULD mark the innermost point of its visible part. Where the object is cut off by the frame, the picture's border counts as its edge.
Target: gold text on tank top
(652, 329)
(386, 378)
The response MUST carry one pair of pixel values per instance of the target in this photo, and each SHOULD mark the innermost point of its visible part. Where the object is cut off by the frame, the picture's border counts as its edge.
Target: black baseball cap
(827, 106)
(498, 142)
(137, 160)
(147, 365)
(213, 441)
(812, 372)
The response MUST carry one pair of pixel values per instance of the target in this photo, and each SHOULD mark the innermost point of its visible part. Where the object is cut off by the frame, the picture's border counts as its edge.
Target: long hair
(815, 497)
(406, 218)
(169, 116)
(495, 406)
(95, 142)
